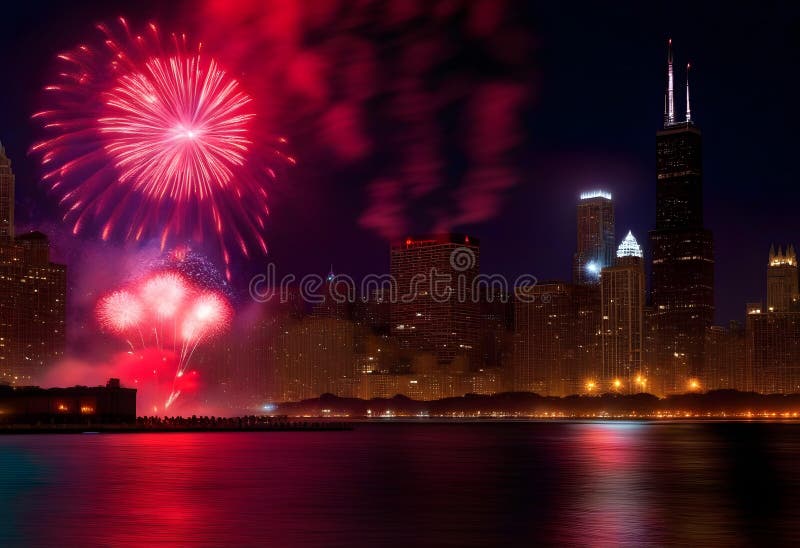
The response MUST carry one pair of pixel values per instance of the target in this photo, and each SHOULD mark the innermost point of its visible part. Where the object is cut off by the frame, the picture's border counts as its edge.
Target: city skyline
(531, 207)
(654, 340)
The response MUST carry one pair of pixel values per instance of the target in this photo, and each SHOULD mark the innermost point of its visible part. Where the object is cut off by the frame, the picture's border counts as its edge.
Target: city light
(694, 385)
(593, 268)
(591, 386)
(616, 384)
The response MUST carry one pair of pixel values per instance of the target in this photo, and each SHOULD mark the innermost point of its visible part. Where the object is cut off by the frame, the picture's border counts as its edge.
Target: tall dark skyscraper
(596, 243)
(682, 286)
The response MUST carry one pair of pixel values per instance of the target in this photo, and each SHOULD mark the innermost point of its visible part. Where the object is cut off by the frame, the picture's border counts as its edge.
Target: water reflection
(471, 484)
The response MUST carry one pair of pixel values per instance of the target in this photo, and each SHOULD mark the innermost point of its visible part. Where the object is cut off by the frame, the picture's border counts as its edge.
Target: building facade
(773, 350)
(436, 309)
(557, 338)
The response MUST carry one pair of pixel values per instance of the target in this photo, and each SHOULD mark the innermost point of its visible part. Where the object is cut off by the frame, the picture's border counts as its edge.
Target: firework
(164, 293)
(166, 314)
(120, 311)
(152, 140)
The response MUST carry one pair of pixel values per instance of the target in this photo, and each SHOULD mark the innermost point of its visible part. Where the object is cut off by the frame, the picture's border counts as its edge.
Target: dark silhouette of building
(682, 286)
(32, 295)
(79, 404)
(436, 308)
(596, 240)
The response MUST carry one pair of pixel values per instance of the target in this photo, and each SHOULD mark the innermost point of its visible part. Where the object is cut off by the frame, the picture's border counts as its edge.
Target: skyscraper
(595, 230)
(434, 310)
(33, 294)
(623, 297)
(782, 282)
(682, 286)
(6, 198)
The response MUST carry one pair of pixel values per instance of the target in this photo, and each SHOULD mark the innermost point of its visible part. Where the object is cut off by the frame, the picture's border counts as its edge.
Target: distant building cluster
(601, 332)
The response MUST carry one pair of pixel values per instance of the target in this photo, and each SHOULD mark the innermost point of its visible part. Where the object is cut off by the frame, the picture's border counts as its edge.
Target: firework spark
(164, 294)
(147, 140)
(177, 129)
(120, 311)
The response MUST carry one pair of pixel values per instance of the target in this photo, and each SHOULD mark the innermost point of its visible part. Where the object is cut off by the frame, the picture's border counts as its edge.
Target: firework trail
(153, 140)
(167, 313)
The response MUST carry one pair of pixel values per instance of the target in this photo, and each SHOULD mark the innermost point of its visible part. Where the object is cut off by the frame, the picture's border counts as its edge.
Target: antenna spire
(688, 106)
(669, 107)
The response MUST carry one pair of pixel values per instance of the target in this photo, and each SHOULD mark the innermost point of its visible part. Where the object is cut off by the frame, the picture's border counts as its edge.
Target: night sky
(580, 89)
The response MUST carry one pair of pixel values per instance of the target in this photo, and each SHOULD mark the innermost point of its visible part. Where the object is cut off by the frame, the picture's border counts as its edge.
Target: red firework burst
(144, 143)
(177, 129)
(167, 314)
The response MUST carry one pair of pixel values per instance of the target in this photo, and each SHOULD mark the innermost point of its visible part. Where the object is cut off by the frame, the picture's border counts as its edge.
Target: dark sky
(595, 77)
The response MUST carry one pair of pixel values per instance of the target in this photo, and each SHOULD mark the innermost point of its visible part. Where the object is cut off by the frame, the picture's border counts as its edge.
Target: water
(421, 484)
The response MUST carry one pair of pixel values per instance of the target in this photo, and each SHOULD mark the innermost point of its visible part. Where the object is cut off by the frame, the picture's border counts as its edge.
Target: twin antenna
(669, 97)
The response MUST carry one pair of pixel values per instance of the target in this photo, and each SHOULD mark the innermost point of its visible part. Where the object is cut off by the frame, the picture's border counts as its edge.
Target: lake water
(422, 484)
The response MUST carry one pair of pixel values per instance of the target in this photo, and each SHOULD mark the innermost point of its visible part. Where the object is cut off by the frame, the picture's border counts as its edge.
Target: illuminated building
(556, 339)
(32, 295)
(682, 286)
(596, 240)
(782, 281)
(78, 404)
(435, 310)
(622, 299)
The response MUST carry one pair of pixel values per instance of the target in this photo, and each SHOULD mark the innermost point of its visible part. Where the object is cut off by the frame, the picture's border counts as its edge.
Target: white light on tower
(595, 194)
(629, 247)
(593, 268)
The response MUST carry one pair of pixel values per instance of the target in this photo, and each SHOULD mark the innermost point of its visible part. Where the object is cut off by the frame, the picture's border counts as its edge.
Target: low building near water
(78, 404)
